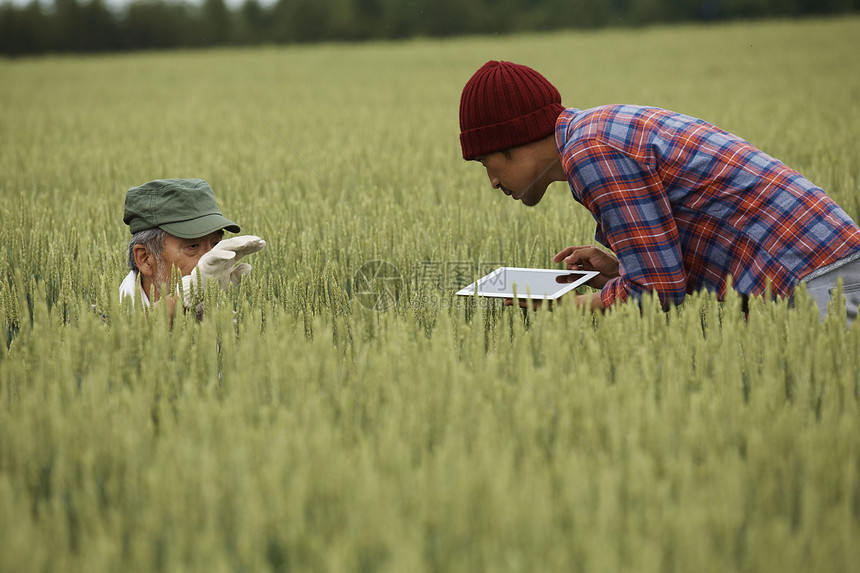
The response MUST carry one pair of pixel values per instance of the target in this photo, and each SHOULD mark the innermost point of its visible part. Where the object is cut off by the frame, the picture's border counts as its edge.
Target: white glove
(221, 264)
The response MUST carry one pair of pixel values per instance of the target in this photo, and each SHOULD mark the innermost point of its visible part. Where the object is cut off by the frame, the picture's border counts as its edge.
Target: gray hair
(152, 239)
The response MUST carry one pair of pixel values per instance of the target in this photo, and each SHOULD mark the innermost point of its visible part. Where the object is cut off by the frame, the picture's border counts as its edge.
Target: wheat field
(341, 410)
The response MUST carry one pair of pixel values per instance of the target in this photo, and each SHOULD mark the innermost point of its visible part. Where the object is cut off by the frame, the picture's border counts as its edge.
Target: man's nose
(494, 181)
(208, 247)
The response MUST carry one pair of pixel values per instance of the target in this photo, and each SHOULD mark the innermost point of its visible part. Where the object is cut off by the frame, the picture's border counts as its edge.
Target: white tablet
(547, 284)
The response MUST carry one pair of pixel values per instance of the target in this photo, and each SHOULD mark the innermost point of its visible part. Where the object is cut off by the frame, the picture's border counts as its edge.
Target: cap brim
(200, 227)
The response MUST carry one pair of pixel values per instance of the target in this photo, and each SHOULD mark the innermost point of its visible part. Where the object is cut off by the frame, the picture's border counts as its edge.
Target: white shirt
(127, 289)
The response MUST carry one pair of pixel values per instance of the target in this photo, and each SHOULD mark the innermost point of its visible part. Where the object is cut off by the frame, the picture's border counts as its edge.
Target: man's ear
(145, 261)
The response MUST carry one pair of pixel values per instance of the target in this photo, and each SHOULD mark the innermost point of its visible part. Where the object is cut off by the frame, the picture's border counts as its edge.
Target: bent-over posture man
(682, 204)
(175, 223)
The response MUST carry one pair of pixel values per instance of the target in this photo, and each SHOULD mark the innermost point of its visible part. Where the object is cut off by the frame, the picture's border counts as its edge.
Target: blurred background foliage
(81, 26)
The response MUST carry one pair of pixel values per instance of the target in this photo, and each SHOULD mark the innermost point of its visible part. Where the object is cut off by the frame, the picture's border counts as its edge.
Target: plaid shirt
(684, 205)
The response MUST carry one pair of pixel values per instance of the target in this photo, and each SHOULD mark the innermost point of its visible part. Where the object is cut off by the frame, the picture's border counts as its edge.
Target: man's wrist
(592, 301)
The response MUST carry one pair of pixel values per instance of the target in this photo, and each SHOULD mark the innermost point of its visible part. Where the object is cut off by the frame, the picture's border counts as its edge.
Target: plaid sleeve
(634, 216)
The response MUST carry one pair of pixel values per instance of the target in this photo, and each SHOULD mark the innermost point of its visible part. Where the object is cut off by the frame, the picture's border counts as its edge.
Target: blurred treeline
(93, 26)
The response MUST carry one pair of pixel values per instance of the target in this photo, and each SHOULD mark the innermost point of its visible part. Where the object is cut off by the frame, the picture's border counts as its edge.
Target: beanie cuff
(511, 133)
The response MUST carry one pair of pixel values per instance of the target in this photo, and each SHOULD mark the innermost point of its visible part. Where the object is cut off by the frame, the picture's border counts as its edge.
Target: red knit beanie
(506, 105)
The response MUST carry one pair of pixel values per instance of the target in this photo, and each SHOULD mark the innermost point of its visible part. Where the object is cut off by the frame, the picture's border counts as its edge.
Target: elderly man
(175, 223)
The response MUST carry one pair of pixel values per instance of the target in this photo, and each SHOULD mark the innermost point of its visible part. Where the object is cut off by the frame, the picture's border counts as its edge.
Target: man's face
(184, 253)
(519, 173)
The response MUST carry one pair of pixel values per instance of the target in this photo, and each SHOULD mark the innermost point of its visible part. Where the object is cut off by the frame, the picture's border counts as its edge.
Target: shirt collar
(127, 289)
(562, 130)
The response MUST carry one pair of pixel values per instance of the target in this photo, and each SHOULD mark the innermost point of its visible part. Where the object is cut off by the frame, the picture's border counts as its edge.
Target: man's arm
(589, 258)
(591, 301)
(633, 212)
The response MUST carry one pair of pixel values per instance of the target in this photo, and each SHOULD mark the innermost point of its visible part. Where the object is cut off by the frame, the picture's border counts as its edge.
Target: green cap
(185, 208)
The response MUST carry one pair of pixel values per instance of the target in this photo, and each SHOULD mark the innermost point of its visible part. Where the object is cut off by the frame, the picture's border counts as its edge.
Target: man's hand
(589, 258)
(590, 301)
(221, 264)
(535, 303)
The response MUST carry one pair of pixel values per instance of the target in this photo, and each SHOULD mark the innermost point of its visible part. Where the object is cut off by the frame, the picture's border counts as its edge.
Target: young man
(682, 204)
(175, 223)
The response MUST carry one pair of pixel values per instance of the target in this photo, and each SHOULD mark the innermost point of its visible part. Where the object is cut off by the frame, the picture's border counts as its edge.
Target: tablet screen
(545, 284)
